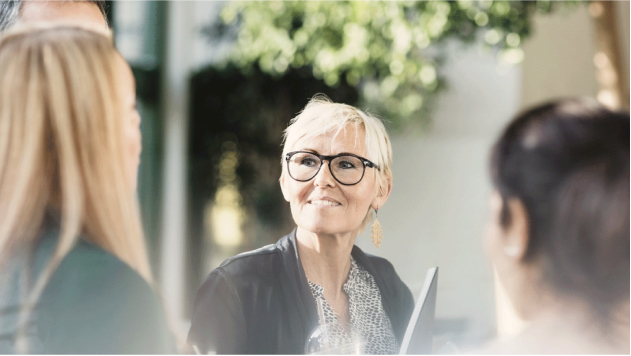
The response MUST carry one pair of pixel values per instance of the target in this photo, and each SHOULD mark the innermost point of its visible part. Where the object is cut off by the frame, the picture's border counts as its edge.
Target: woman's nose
(324, 176)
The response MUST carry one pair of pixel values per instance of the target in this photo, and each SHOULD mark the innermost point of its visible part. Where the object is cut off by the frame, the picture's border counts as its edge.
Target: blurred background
(218, 82)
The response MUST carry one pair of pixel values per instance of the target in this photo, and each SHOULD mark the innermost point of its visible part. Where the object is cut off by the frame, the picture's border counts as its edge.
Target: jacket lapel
(297, 284)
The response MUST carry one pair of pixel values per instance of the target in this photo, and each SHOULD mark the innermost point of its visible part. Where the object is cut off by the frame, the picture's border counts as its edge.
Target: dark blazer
(259, 302)
(94, 303)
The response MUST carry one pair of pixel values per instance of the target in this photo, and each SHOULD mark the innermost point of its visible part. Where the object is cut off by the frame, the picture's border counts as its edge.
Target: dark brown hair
(568, 162)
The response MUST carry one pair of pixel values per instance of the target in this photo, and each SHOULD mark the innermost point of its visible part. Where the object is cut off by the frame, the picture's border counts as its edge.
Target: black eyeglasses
(346, 168)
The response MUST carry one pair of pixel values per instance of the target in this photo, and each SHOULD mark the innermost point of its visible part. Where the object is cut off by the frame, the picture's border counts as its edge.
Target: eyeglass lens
(304, 166)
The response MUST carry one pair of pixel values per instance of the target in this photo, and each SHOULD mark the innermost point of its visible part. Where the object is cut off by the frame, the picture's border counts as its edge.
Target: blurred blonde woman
(75, 272)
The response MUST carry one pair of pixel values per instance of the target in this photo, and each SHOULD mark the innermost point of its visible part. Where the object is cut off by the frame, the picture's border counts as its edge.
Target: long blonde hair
(61, 146)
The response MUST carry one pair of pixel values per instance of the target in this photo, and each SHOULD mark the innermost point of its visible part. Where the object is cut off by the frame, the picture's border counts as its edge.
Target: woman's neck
(325, 258)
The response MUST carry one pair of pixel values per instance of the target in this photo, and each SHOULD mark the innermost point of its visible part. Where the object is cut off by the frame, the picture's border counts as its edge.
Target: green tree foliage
(382, 48)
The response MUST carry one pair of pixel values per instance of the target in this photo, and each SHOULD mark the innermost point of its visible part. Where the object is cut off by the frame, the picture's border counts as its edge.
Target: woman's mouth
(323, 202)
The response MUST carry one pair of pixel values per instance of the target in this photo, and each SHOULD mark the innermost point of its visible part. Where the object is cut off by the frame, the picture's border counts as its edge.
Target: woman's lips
(323, 202)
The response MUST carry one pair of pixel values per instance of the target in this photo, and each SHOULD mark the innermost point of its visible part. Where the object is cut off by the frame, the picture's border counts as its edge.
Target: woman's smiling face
(322, 205)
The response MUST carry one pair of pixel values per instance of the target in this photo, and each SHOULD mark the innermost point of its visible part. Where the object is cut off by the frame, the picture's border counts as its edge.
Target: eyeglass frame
(329, 158)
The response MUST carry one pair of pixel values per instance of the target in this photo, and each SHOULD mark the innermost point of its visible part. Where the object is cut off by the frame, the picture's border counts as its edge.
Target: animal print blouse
(367, 318)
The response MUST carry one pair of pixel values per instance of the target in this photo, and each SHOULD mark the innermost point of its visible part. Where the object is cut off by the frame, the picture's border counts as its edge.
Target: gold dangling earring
(376, 234)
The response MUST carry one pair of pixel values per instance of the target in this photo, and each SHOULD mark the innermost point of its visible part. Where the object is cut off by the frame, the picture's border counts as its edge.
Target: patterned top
(367, 318)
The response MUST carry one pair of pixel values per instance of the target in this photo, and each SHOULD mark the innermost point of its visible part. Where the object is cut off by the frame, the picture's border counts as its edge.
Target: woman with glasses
(336, 171)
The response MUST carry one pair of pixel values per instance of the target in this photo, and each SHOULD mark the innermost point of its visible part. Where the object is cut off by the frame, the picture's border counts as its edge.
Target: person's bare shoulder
(529, 344)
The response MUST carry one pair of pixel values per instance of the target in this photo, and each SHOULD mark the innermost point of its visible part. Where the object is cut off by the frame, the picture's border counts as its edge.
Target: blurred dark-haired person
(559, 235)
(89, 12)
(74, 272)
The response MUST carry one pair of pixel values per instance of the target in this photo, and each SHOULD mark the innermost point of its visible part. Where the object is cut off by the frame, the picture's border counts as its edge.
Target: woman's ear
(283, 185)
(517, 232)
(383, 193)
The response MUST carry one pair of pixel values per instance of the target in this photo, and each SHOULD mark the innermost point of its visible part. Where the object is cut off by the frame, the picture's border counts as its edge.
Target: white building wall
(436, 213)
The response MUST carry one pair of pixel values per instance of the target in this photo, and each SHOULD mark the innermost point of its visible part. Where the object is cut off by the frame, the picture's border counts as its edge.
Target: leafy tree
(387, 49)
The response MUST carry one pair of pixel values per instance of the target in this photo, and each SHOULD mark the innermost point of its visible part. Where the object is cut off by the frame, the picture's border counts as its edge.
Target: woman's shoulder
(88, 267)
(103, 304)
(380, 262)
(251, 259)
(260, 265)
(90, 274)
(377, 263)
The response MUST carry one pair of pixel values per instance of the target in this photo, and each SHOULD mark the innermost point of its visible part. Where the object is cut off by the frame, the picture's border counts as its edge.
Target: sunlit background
(219, 81)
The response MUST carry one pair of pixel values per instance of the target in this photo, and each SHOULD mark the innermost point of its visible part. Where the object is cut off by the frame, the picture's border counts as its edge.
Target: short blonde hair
(321, 116)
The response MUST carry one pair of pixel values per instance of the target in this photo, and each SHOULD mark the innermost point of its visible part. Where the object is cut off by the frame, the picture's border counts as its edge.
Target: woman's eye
(346, 165)
(309, 162)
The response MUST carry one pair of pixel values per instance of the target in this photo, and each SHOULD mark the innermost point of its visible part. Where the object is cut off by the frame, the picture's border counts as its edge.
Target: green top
(96, 304)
